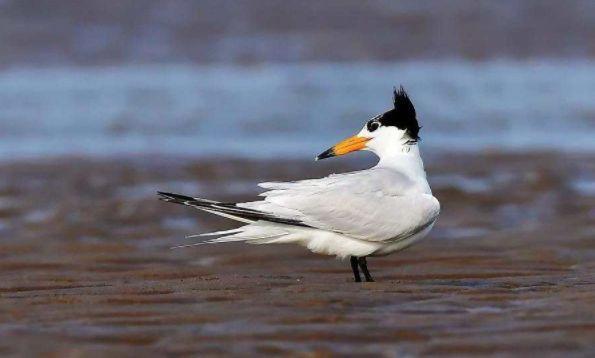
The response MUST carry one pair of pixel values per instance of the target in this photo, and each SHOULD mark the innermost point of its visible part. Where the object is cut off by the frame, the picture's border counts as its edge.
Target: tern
(371, 212)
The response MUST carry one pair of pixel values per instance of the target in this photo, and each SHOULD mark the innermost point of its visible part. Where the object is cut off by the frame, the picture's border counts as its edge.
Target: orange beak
(349, 145)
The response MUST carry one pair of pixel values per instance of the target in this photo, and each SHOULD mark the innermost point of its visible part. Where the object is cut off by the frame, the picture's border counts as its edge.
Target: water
(291, 110)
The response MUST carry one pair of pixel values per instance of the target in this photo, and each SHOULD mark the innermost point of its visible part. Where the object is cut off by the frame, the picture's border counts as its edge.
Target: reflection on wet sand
(85, 265)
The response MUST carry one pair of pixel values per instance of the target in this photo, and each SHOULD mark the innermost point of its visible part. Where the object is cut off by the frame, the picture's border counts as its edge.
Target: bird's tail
(256, 233)
(261, 228)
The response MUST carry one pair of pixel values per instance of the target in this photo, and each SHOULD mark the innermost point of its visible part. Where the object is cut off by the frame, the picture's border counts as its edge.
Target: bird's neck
(407, 161)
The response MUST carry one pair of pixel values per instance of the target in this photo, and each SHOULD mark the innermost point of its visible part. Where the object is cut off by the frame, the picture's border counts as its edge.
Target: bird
(355, 215)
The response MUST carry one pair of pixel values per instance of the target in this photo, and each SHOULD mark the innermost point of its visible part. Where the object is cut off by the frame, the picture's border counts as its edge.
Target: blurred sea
(293, 110)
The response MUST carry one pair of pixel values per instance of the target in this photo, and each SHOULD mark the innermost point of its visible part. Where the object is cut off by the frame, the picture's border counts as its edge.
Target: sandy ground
(85, 268)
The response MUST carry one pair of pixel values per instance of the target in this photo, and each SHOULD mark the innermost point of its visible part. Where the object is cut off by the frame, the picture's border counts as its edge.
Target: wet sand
(86, 268)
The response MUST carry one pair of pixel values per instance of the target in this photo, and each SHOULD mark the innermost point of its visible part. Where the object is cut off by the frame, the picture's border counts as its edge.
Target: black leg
(355, 269)
(364, 265)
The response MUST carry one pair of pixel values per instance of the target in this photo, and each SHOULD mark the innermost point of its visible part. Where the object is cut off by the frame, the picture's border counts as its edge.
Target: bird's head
(394, 130)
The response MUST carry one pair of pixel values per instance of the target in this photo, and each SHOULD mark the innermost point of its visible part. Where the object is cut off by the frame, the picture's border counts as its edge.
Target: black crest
(402, 115)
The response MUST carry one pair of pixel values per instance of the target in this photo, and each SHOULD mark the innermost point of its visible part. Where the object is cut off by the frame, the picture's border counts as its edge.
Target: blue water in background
(291, 110)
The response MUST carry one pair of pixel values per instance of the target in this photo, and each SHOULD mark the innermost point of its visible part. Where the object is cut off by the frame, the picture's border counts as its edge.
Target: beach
(86, 266)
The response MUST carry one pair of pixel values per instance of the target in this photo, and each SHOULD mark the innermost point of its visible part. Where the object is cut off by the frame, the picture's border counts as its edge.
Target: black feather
(403, 114)
(227, 208)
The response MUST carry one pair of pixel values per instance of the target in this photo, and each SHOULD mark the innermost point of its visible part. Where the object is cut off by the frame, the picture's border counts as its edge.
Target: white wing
(374, 205)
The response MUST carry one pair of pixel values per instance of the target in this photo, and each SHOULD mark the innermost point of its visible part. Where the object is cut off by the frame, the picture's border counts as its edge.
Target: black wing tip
(171, 197)
(227, 208)
(185, 199)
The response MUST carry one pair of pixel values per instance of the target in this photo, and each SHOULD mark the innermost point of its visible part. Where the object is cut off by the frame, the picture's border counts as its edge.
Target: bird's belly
(390, 247)
(330, 243)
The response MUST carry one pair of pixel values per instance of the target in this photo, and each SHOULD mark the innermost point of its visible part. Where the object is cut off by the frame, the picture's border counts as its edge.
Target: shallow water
(273, 111)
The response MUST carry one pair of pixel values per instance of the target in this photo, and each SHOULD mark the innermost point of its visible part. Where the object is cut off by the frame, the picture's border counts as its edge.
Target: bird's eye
(372, 126)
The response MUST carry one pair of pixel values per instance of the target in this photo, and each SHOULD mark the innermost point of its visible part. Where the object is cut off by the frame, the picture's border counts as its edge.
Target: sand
(86, 268)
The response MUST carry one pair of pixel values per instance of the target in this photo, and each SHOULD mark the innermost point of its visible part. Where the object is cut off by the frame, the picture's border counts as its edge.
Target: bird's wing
(228, 210)
(373, 205)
